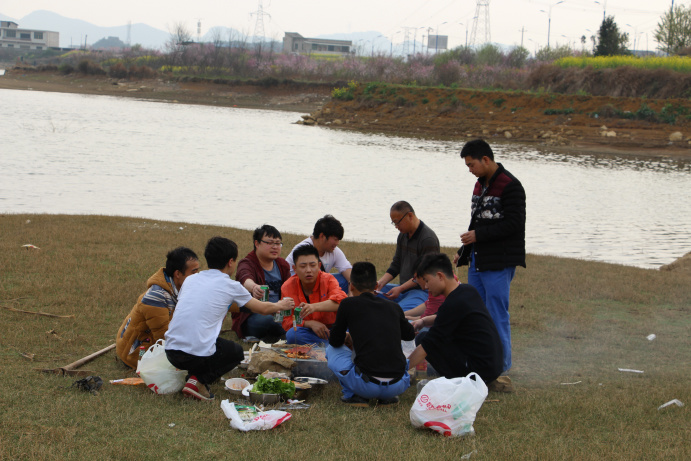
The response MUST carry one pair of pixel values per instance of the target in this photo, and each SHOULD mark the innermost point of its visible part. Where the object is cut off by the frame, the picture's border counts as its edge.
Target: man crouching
(376, 327)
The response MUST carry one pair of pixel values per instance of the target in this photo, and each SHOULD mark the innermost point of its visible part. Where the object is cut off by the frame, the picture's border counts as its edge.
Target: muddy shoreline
(499, 117)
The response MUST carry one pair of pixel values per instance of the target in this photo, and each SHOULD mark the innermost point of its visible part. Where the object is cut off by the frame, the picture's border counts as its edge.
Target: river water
(77, 154)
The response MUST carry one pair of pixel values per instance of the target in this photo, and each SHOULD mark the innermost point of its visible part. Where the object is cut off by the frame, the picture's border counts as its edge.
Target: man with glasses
(262, 266)
(415, 240)
(327, 234)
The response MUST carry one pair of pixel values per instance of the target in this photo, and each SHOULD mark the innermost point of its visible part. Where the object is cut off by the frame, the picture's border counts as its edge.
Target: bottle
(142, 351)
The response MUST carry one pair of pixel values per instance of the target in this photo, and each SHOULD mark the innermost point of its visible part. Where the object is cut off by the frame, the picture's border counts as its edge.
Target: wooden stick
(44, 314)
(70, 369)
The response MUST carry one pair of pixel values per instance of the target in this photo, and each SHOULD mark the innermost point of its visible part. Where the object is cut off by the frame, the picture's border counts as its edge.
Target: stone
(603, 128)
(269, 361)
(309, 122)
(676, 136)
(306, 117)
(611, 134)
(508, 135)
(338, 121)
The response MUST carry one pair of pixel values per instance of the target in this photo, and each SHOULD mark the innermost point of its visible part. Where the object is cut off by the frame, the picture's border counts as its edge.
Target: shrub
(142, 72)
(118, 70)
(346, 93)
(88, 67)
(489, 55)
(448, 73)
(65, 68)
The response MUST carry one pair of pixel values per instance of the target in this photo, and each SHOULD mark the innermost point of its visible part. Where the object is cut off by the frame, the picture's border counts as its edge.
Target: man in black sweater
(376, 327)
(463, 338)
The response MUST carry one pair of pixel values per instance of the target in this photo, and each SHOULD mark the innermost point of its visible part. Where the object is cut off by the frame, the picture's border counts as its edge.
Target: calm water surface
(65, 153)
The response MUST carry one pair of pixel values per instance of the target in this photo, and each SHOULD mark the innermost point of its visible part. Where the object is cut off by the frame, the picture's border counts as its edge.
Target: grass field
(676, 63)
(573, 321)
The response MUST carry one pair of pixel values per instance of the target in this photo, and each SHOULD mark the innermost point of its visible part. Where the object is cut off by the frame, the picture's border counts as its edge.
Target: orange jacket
(325, 289)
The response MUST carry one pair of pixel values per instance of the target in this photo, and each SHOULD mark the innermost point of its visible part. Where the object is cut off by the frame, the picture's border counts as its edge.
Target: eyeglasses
(396, 223)
(272, 244)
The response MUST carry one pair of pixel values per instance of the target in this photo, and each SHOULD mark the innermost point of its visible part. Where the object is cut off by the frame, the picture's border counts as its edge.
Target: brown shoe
(501, 384)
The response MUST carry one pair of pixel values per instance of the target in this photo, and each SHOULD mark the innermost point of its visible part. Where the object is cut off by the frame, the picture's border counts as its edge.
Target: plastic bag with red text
(264, 420)
(449, 406)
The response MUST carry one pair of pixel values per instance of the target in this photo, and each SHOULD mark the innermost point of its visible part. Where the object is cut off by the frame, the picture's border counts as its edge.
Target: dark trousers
(208, 369)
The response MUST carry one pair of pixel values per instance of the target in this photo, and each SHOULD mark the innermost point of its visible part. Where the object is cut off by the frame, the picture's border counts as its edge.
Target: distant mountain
(74, 32)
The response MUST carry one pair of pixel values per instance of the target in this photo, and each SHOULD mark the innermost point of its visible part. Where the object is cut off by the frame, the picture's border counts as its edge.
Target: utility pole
(522, 31)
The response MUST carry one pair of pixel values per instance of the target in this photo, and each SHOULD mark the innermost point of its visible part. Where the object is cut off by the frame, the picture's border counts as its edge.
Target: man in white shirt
(327, 234)
(192, 341)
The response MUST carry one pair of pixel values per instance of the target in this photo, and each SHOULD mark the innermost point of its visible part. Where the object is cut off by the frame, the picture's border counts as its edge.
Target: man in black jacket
(375, 326)
(495, 241)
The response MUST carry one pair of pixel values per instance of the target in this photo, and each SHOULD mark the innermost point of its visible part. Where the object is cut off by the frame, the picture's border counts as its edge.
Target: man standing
(415, 240)
(463, 338)
(495, 241)
(148, 320)
(192, 341)
(262, 266)
(327, 234)
(375, 326)
(317, 293)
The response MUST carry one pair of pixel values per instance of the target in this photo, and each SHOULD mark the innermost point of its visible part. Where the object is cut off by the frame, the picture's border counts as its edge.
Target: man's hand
(468, 237)
(285, 304)
(348, 340)
(318, 328)
(257, 291)
(455, 259)
(394, 293)
(307, 309)
(418, 325)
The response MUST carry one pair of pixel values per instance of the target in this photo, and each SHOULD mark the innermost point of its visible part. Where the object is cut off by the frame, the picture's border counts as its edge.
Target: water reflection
(67, 153)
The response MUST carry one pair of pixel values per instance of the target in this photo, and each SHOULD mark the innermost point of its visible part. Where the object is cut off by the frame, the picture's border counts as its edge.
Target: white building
(296, 43)
(11, 36)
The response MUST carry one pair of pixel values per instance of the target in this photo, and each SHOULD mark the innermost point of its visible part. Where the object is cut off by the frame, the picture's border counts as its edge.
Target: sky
(510, 20)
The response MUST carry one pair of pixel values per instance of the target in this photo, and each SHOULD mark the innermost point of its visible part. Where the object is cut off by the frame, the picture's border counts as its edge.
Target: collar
(417, 231)
(175, 291)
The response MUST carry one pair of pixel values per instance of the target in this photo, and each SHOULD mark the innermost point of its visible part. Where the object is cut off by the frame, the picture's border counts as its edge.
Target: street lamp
(415, 38)
(436, 41)
(549, 19)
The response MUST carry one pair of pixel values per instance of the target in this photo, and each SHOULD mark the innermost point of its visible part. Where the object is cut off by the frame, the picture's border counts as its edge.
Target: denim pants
(303, 335)
(260, 326)
(407, 300)
(342, 282)
(341, 359)
(494, 288)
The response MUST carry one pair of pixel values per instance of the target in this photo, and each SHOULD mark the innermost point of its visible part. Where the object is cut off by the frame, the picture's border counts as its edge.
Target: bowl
(236, 385)
(310, 380)
(264, 399)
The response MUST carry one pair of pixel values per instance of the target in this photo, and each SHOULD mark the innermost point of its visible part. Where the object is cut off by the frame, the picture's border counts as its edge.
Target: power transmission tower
(129, 33)
(199, 30)
(259, 25)
(481, 24)
(406, 40)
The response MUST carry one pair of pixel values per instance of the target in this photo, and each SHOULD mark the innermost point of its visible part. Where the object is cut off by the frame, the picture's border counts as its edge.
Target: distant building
(296, 43)
(11, 36)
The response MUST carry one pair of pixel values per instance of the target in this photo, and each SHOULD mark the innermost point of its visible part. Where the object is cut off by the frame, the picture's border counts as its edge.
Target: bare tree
(180, 37)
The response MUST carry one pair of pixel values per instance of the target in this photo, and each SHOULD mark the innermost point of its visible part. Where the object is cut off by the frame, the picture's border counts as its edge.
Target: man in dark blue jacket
(495, 241)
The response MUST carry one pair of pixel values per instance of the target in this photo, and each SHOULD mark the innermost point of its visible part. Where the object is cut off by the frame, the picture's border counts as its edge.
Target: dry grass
(572, 321)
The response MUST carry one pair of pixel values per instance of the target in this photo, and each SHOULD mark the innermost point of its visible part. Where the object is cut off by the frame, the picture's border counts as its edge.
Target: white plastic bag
(449, 406)
(158, 373)
(264, 420)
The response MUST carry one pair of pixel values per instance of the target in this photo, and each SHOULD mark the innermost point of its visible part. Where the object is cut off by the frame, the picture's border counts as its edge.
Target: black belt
(370, 379)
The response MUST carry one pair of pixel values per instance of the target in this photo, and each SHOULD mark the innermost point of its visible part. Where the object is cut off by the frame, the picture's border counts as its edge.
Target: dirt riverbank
(560, 122)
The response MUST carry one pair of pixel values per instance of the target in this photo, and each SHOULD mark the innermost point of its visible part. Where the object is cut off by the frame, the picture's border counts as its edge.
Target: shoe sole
(358, 405)
(387, 404)
(195, 394)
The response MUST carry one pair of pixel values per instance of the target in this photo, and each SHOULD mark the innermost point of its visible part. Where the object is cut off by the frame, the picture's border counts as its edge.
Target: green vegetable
(273, 386)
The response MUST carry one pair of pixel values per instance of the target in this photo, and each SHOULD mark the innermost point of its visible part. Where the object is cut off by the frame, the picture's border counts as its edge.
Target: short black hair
(433, 263)
(269, 231)
(329, 226)
(402, 207)
(305, 250)
(176, 260)
(219, 251)
(477, 148)
(363, 276)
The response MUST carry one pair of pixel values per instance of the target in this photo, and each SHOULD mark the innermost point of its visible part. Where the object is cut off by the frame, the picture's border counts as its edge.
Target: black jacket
(499, 224)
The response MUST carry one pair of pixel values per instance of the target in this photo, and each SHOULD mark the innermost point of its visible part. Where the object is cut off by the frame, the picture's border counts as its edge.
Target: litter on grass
(650, 337)
(676, 402)
(569, 384)
(629, 370)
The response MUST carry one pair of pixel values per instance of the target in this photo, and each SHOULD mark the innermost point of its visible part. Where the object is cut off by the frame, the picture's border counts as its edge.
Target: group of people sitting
(363, 332)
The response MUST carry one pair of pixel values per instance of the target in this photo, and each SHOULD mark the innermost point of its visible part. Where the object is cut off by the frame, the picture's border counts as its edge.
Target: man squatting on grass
(327, 234)
(148, 320)
(376, 327)
(316, 292)
(415, 240)
(262, 266)
(463, 338)
(495, 241)
(192, 341)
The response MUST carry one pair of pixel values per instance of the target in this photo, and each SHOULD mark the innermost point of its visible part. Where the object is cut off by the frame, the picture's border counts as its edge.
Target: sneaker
(195, 389)
(391, 401)
(356, 401)
(501, 384)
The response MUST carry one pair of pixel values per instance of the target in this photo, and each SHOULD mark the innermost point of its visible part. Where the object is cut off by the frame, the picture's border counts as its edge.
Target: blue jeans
(341, 359)
(494, 288)
(342, 282)
(407, 300)
(303, 335)
(260, 326)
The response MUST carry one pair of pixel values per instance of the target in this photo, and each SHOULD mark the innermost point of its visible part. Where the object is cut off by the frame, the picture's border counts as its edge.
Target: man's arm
(417, 356)
(416, 311)
(338, 332)
(346, 274)
(407, 331)
(386, 278)
(265, 308)
(318, 328)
